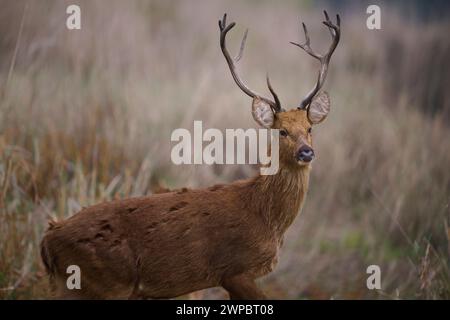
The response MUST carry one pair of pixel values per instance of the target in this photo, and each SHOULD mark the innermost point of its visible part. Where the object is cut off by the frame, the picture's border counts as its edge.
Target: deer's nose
(305, 154)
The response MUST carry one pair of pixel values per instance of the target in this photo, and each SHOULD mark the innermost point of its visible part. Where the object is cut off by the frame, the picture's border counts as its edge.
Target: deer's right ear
(262, 113)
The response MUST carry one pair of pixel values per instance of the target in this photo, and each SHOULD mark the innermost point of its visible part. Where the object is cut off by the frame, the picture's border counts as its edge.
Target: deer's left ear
(262, 113)
(319, 108)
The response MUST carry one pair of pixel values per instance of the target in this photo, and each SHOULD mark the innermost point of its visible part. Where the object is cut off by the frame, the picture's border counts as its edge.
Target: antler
(324, 59)
(224, 28)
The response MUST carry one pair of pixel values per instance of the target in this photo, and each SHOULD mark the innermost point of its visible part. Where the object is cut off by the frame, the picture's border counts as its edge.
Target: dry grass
(86, 116)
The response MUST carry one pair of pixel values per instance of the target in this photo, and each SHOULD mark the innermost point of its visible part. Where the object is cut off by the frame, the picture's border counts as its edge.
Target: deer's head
(295, 125)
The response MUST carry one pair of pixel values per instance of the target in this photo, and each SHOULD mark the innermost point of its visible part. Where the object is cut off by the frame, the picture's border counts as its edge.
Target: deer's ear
(262, 113)
(319, 108)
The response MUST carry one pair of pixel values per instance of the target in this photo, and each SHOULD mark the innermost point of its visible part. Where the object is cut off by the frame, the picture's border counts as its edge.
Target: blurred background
(86, 116)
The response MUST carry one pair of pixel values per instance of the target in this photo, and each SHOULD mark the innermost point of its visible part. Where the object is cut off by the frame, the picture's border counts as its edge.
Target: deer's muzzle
(305, 154)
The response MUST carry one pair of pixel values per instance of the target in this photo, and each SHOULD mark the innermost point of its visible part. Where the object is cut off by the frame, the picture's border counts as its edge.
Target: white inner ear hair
(262, 113)
(319, 108)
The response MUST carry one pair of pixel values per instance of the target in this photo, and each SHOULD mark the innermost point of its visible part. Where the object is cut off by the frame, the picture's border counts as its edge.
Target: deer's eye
(309, 130)
(283, 133)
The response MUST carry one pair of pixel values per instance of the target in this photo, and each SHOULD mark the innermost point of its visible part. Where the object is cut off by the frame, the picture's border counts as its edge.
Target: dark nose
(305, 154)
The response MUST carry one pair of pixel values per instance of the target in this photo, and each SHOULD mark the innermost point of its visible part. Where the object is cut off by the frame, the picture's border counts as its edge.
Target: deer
(177, 242)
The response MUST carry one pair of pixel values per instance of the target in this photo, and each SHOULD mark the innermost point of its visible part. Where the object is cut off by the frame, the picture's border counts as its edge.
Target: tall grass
(86, 116)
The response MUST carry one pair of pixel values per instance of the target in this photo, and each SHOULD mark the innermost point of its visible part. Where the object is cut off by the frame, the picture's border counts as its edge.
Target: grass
(86, 116)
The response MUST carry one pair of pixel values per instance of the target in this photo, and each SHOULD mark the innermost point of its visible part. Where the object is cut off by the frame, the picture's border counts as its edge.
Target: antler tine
(306, 45)
(324, 59)
(224, 29)
(327, 22)
(275, 96)
(241, 49)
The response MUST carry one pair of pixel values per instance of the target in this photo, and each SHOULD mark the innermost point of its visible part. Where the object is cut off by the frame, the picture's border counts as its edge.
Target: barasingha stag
(166, 245)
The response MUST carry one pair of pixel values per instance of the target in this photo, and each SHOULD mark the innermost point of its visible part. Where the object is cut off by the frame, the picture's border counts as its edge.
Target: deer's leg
(242, 288)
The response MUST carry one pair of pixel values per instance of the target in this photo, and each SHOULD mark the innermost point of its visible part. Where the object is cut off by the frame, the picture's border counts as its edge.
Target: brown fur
(169, 244)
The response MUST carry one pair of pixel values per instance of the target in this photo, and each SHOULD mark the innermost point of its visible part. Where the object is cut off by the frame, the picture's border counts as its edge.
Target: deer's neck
(279, 197)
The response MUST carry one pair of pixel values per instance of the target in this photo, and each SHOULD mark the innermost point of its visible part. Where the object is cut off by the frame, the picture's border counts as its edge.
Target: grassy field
(86, 116)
